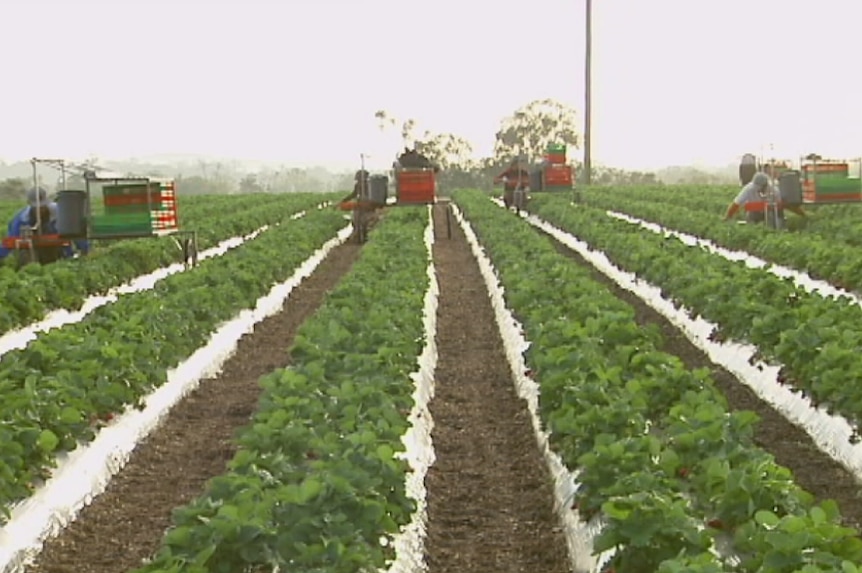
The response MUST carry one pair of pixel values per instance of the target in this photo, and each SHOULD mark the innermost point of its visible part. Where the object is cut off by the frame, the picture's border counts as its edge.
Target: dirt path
(125, 524)
(490, 499)
(790, 445)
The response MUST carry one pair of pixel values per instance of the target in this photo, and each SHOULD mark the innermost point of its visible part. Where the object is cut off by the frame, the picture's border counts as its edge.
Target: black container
(72, 214)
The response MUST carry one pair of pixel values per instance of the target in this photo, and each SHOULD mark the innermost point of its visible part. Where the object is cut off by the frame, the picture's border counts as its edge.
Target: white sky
(299, 80)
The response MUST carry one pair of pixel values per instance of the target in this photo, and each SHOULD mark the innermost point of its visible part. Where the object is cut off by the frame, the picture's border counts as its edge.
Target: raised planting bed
(828, 256)
(59, 390)
(320, 477)
(666, 478)
(30, 293)
(816, 339)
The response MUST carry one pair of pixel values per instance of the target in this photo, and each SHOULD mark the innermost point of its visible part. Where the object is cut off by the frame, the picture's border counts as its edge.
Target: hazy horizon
(675, 82)
(171, 160)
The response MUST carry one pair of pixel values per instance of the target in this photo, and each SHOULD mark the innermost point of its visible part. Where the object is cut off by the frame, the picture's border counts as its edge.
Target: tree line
(525, 133)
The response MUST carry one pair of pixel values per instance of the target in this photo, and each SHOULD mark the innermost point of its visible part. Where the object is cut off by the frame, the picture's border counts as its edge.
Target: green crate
(122, 223)
(845, 185)
(134, 230)
(120, 210)
(556, 148)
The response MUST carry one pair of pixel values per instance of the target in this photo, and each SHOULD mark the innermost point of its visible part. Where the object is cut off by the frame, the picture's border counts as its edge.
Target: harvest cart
(554, 173)
(132, 207)
(418, 186)
(127, 208)
(413, 186)
(830, 182)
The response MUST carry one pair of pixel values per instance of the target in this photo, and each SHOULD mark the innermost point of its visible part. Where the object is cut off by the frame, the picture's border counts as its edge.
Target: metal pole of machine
(38, 199)
(362, 191)
(588, 57)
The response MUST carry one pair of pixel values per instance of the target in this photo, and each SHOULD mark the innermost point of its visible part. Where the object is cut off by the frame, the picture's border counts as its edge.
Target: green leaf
(48, 441)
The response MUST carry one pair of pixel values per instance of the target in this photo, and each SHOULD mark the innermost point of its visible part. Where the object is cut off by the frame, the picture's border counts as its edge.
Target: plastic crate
(415, 186)
(122, 224)
(558, 176)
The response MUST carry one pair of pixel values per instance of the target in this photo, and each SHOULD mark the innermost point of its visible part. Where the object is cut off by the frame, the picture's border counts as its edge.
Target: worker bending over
(760, 190)
(46, 218)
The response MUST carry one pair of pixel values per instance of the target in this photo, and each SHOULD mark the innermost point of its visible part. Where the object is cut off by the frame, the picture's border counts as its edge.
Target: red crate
(416, 186)
(556, 158)
(556, 175)
(37, 241)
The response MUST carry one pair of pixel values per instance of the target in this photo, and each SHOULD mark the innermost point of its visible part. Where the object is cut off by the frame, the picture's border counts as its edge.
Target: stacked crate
(164, 213)
(557, 174)
(137, 208)
(415, 186)
(830, 182)
(555, 153)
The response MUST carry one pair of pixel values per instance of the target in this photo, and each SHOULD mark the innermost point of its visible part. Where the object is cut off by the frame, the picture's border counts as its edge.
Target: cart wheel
(190, 252)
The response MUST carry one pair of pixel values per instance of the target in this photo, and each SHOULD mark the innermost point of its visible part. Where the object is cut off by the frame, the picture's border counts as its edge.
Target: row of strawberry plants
(58, 389)
(710, 197)
(29, 294)
(664, 469)
(822, 258)
(267, 207)
(834, 223)
(814, 338)
(317, 481)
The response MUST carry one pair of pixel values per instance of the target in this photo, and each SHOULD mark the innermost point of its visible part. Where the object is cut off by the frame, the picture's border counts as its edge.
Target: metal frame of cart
(411, 188)
(31, 239)
(185, 240)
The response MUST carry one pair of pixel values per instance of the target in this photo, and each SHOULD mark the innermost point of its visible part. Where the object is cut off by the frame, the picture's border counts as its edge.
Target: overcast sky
(675, 81)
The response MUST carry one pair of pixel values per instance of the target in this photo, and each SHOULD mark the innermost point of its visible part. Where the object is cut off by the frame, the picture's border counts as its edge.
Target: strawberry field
(625, 384)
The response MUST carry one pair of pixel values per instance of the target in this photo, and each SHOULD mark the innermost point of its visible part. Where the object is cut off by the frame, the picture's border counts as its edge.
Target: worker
(360, 186)
(760, 189)
(412, 159)
(514, 177)
(47, 220)
(747, 168)
(365, 215)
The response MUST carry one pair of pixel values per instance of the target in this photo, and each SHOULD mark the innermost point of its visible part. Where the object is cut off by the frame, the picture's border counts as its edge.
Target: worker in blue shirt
(26, 217)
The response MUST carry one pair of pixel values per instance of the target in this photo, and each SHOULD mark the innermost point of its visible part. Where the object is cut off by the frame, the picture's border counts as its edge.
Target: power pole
(588, 96)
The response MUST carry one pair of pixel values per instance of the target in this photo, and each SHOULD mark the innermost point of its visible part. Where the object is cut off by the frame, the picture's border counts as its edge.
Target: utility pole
(588, 57)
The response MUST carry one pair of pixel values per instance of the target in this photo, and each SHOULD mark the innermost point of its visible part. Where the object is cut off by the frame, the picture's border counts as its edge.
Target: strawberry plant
(318, 480)
(827, 249)
(33, 291)
(813, 337)
(120, 352)
(674, 478)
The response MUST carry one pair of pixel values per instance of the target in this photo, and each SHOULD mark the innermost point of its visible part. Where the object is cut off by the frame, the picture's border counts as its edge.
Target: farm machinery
(415, 184)
(107, 209)
(818, 181)
(551, 174)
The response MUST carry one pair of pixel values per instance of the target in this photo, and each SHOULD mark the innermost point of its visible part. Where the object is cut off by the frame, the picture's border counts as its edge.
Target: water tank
(536, 179)
(378, 189)
(747, 168)
(790, 187)
(72, 214)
